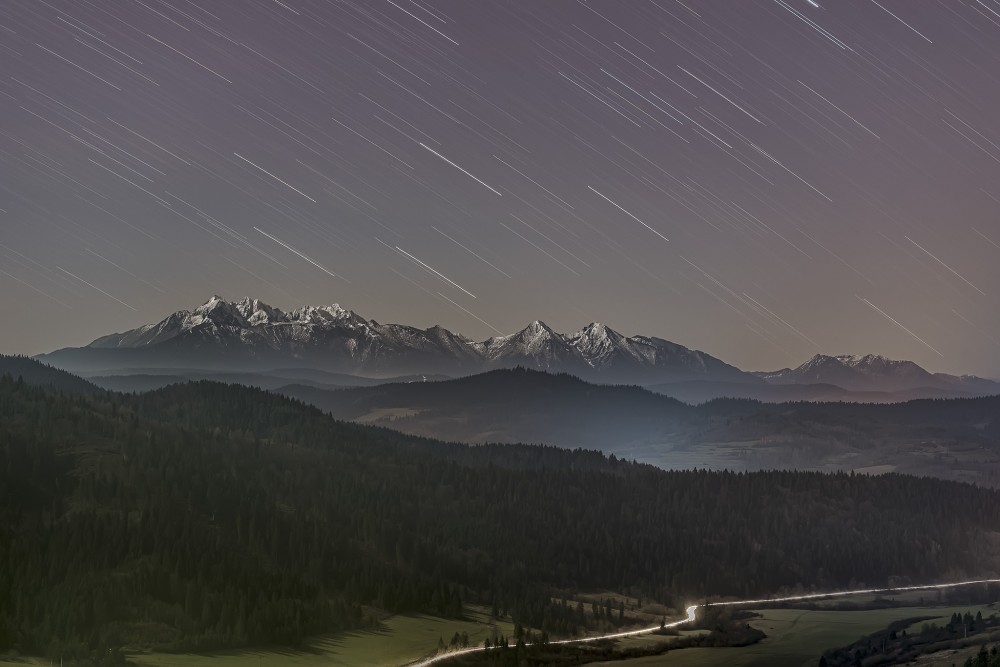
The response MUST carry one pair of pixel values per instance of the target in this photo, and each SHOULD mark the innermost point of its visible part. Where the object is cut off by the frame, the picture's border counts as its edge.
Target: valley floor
(797, 638)
(400, 640)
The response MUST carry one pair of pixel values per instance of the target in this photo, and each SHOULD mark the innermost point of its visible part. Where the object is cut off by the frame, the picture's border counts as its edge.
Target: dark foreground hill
(203, 516)
(36, 373)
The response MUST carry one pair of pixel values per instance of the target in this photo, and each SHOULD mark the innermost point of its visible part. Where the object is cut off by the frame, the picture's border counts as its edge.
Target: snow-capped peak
(211, 304)
(323, 315)
(217, 311)
(862, 359)
(538, 327)
(257, 312)
(339, 339)
(596, 333)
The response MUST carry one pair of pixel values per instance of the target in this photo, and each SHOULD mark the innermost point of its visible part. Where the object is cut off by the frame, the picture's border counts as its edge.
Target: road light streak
(692, 616)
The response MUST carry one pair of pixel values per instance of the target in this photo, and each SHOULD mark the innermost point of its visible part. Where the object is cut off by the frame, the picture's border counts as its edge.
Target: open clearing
(401, 640)
(380, 415)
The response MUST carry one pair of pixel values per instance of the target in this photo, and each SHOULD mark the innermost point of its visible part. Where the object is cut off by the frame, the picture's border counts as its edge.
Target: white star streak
(149, 141)
(96, 288)
(973, 141)
(263, 280)
(474, 254)
(470, 313)
(209, 69)
(775, 161)
(842, 111)
(720, 94)
(518, 218)
(32, 287)
(70, 62)
(435, 272)
(934, 257)
(424, 22)
(896, 322)
(288, 247)
(575, 83)
(96, 50)
(535, 182)
(364, 138)
(276, 178)
(494, 190)
(900, 20)
(627, 213)
(815, 26)
(775, 315)
(132, 183)
(122, 268)
(988, 239)
(540, 249)
(972, 324)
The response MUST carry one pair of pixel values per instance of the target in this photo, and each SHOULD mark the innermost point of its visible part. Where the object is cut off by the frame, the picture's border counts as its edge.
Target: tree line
(205, 516)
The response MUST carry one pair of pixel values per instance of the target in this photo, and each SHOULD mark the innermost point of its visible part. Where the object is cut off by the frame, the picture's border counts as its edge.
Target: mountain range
(250, 336)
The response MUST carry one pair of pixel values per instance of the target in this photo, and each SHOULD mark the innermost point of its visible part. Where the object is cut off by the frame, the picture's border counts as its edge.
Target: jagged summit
(252, 333)
(871, 372)
(256, 311)
(535, 346)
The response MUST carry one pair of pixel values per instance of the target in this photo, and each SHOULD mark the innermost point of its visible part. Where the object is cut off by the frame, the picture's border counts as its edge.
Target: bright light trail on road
(692, 613)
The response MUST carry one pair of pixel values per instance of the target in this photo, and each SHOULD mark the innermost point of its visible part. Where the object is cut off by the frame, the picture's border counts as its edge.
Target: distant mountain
(222, 337)
(522, 405)
(873, 372)
(509, 406)
(249, 335)
(701, 391)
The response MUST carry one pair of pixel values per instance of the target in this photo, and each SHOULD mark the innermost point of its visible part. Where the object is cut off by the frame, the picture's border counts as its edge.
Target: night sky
(759, 180)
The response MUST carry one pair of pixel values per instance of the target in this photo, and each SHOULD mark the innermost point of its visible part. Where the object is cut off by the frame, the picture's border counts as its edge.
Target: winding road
(692, 613)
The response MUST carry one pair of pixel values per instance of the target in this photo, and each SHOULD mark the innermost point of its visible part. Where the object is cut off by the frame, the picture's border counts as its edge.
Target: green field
(402, 639)
(796, 638)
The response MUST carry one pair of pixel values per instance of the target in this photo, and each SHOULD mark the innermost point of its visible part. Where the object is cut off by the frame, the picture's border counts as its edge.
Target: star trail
(762, 180)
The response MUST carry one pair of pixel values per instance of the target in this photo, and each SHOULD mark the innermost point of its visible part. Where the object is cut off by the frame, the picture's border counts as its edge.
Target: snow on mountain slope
(535, 346)
(873, 372)
(250, 333)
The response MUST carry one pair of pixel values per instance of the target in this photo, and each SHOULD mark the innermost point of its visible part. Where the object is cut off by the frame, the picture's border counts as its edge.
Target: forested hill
(955, 439)
(206, 515)
(36, 373)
